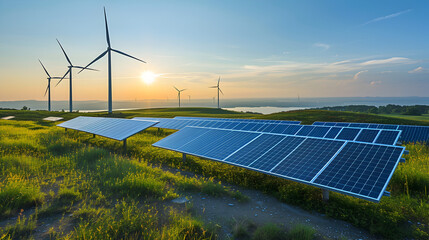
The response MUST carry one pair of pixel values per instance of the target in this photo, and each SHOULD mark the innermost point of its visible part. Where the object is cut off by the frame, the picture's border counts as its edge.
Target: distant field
(423, 117)
(87, 187)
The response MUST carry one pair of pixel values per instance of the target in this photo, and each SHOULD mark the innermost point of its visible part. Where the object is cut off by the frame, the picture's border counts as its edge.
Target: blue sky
(259, 48)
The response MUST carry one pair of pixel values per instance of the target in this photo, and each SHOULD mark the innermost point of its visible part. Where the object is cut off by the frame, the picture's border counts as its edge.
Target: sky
(259, 49)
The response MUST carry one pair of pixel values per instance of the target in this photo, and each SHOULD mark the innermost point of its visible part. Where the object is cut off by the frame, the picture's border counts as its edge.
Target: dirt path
(262, 209)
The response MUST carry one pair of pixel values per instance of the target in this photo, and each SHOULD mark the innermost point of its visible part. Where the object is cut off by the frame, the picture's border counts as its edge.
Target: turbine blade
(56, 77)
(128, 55)
(107, 28)
(182, 90)
(86, 68)
(46, 71)
(63, 77)
(213, 87)
(68, 60)
(176, 88)
(218, 82)
(100, 56)
(220, 91)
(46, 90)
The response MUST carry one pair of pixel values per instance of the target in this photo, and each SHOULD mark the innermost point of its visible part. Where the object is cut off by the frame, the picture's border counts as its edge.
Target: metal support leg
(125, 145)
(184, 157)
(325, 195)
(93, 135)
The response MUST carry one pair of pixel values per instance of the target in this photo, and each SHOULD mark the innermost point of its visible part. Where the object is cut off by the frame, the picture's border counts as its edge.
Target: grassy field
(423, 117)
(87, 188)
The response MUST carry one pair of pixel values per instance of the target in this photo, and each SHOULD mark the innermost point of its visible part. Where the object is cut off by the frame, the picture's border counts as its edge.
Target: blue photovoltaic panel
(333, 132)
(307, 160)
(348, 134)
(389, 137)
(305, 130)
(184, 136)
(258, 147)
(342, 124)
(280, 128)
(361, 169)
(409, 133)
(336, 165)
(276, 154)
(367, 135)
(319, 131)
(214, 144)
(114, 128)
(414, 133)
(292, 129)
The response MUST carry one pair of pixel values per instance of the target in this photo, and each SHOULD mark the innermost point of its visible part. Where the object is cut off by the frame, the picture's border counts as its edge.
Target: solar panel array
(358, 169)
(115, 128)
(240, 120)
(389, 137)
(409, 133)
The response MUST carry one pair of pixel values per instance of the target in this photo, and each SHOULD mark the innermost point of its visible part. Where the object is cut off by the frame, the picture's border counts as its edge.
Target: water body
(261, 105)
(264, 110)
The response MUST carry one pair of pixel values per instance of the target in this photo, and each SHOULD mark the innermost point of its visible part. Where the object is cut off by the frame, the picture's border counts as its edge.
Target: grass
(70, 172)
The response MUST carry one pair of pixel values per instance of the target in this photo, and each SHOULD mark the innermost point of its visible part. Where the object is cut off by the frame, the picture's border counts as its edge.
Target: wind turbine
(178, 93)
(109, 62)
(48, 89)
(218, 90)
(71, 66)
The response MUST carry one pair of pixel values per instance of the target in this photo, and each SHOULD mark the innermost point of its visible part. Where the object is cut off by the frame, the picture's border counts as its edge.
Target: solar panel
(333, 132)
(114, 128)
(348, 134)
(409, 133)
(344, 133)
(389, 137)
(358, 169)
(307, 159)
(367, 135)
(276, 154)
(361, 170)
(258, 147)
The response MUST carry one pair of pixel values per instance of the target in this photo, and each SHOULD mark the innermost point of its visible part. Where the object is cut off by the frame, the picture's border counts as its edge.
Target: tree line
(415, 110)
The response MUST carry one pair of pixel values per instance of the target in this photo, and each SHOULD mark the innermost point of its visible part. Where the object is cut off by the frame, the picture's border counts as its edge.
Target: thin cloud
(387, 17)
(387, 61)
(417, 70)
(374, 83)
(356, 76)
(322, 45)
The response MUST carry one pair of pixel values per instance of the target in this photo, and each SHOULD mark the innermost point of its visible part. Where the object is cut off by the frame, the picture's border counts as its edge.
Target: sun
(148, 77)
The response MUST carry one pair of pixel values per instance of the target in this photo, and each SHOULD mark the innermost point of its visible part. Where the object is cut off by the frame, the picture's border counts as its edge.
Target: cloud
(417, 70)
(387, 17)
(374, 83)
(356, 76)
(322, 45)
(392, 60)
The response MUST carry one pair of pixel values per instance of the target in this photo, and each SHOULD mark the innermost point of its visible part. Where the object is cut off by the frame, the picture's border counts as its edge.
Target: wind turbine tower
(178, 93)
(218, 90)
(109, 62)
(48, 89)
(71, 66)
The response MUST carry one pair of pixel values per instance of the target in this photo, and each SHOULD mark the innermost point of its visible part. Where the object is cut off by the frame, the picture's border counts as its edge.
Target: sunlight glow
(148, 77)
